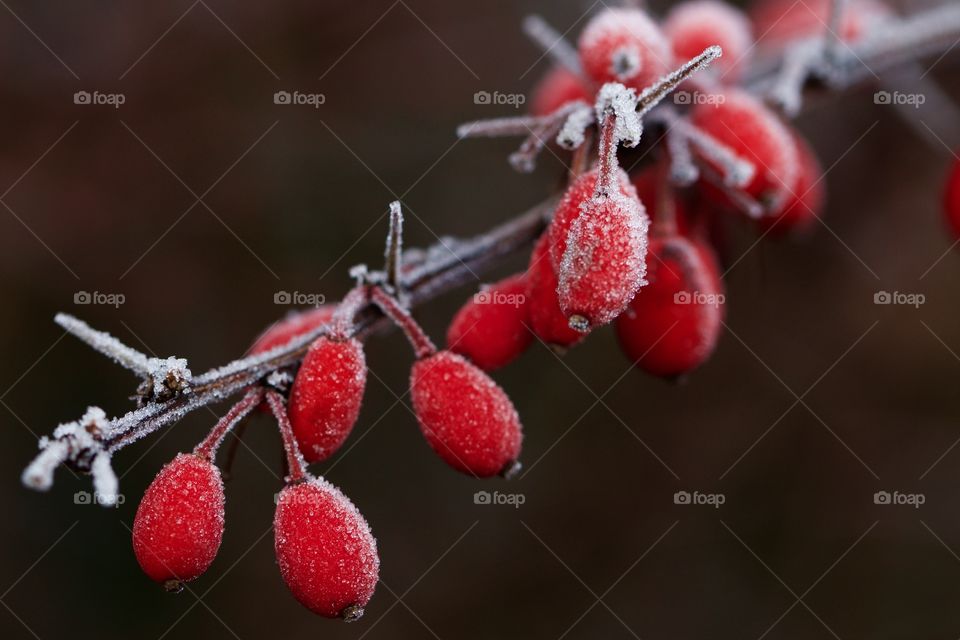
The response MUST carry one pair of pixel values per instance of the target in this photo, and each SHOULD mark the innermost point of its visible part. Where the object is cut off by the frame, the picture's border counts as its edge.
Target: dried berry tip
(352, 613)
(579, 323)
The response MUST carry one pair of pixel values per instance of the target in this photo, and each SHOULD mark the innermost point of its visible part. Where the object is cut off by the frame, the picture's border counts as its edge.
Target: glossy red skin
(491, 328)
(807, 200)
(325, 550)
(612, 29)
(179, 523)
(568, 210)
(295, 324)
(754, 133)
(604, 263)
(693, 26)
(326, 396)
(647, 183)
(465, 416)
(546, 319)
(559, 87)
(674, 264)
(952, 201)
(779, 22)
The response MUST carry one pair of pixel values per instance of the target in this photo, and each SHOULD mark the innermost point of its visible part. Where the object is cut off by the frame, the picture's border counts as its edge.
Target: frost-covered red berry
(556, 89)
(748, 128)
(626, 46)
(491, 328)
(326, 395)
(672, 325)
(326, 552)
(783, 21)
(806, 198)
(952, 200)
(547, 321)
(179, 523)
(295, 324)
(464, 415)
(693, 26)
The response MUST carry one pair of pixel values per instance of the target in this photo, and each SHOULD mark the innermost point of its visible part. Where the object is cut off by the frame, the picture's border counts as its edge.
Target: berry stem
(207, 449)
(394, 250)
(296, 466)
(652, 95)
(607, 157)
(422, 345)
(552, 43)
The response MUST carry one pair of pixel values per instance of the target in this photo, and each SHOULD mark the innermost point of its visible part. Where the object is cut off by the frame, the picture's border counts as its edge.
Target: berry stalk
(207, 449)
(295, 462)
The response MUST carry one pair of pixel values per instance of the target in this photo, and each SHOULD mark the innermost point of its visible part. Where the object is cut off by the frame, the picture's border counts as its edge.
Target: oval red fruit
(491, 328)
(295, 324)
(784, 21)
(464, 415)
(693, 26)
(556, 89)
(543, 307)
(326, 552)
(179, 523)
(326, 396)
(749, 129)
(672, 325)
(806, 200)
(626, 46)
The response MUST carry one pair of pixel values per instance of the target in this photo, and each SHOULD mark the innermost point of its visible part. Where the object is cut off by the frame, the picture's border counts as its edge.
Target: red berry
(742, 123)
(626, 46)
(783, 21)
(179, 523)
(464, 415)
(693, 26)
(546, 319)
(672, 325)
(806, 199)
(326, 396)
(556, 89)
(491, 328)
(571, 205)
(952, 200)
(295, 324)
(326, 552)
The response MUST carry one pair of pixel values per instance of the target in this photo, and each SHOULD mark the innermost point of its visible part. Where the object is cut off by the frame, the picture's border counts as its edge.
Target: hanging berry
(179, 523)
(626, 46)
(784, 21)
(672, 325)
(693, 26)
(556, 89)
(491, 328)
(806, 199)
(748, 128)
(547, 321)
(294, 325)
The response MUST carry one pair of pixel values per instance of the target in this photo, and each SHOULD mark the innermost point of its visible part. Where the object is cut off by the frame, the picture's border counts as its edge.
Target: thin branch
(552, 43)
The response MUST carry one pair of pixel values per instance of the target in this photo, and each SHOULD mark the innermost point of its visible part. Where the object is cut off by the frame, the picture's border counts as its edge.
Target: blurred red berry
(778, 22)
(295, 324)
(806, 200)
(464, 415)
(326, 395)
(326, 552)
(693, 26)
(179, 523)
(626, 46)
(546, 319)
(556, 89)
(491, 328)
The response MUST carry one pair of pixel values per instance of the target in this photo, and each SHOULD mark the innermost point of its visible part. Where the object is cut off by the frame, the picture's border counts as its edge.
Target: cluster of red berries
(325, 550)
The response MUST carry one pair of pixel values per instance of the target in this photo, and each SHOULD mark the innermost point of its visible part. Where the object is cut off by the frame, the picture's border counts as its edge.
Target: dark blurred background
(103, 199)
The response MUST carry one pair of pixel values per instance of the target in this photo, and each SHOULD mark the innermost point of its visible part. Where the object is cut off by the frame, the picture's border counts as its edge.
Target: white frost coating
(39, 474)
(105, 483)
(552, 43)
(737, 172)
(622, 102)
(105, 343)
(500, 127)
(683, 170)
(169, 375)
(574, 130)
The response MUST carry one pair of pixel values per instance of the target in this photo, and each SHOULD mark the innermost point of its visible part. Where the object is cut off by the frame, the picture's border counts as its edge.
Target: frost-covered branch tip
(652, 95)
(552, 43)
(393, 253)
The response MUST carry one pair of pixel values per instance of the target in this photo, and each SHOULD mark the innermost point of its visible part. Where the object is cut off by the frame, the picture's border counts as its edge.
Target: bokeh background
(103, 199)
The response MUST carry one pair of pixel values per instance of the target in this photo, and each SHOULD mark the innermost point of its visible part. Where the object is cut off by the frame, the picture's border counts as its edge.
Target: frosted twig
(573, 132)
(552, 43)
(683, 170)
(524, 159)
(620, 102)
(736, 171)
(741, 200)
(500, 127)
(652, 95)
(394, 250)
(296, 465)
(834, 38)
(126, 357)
(800, 60)
(208, 447)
